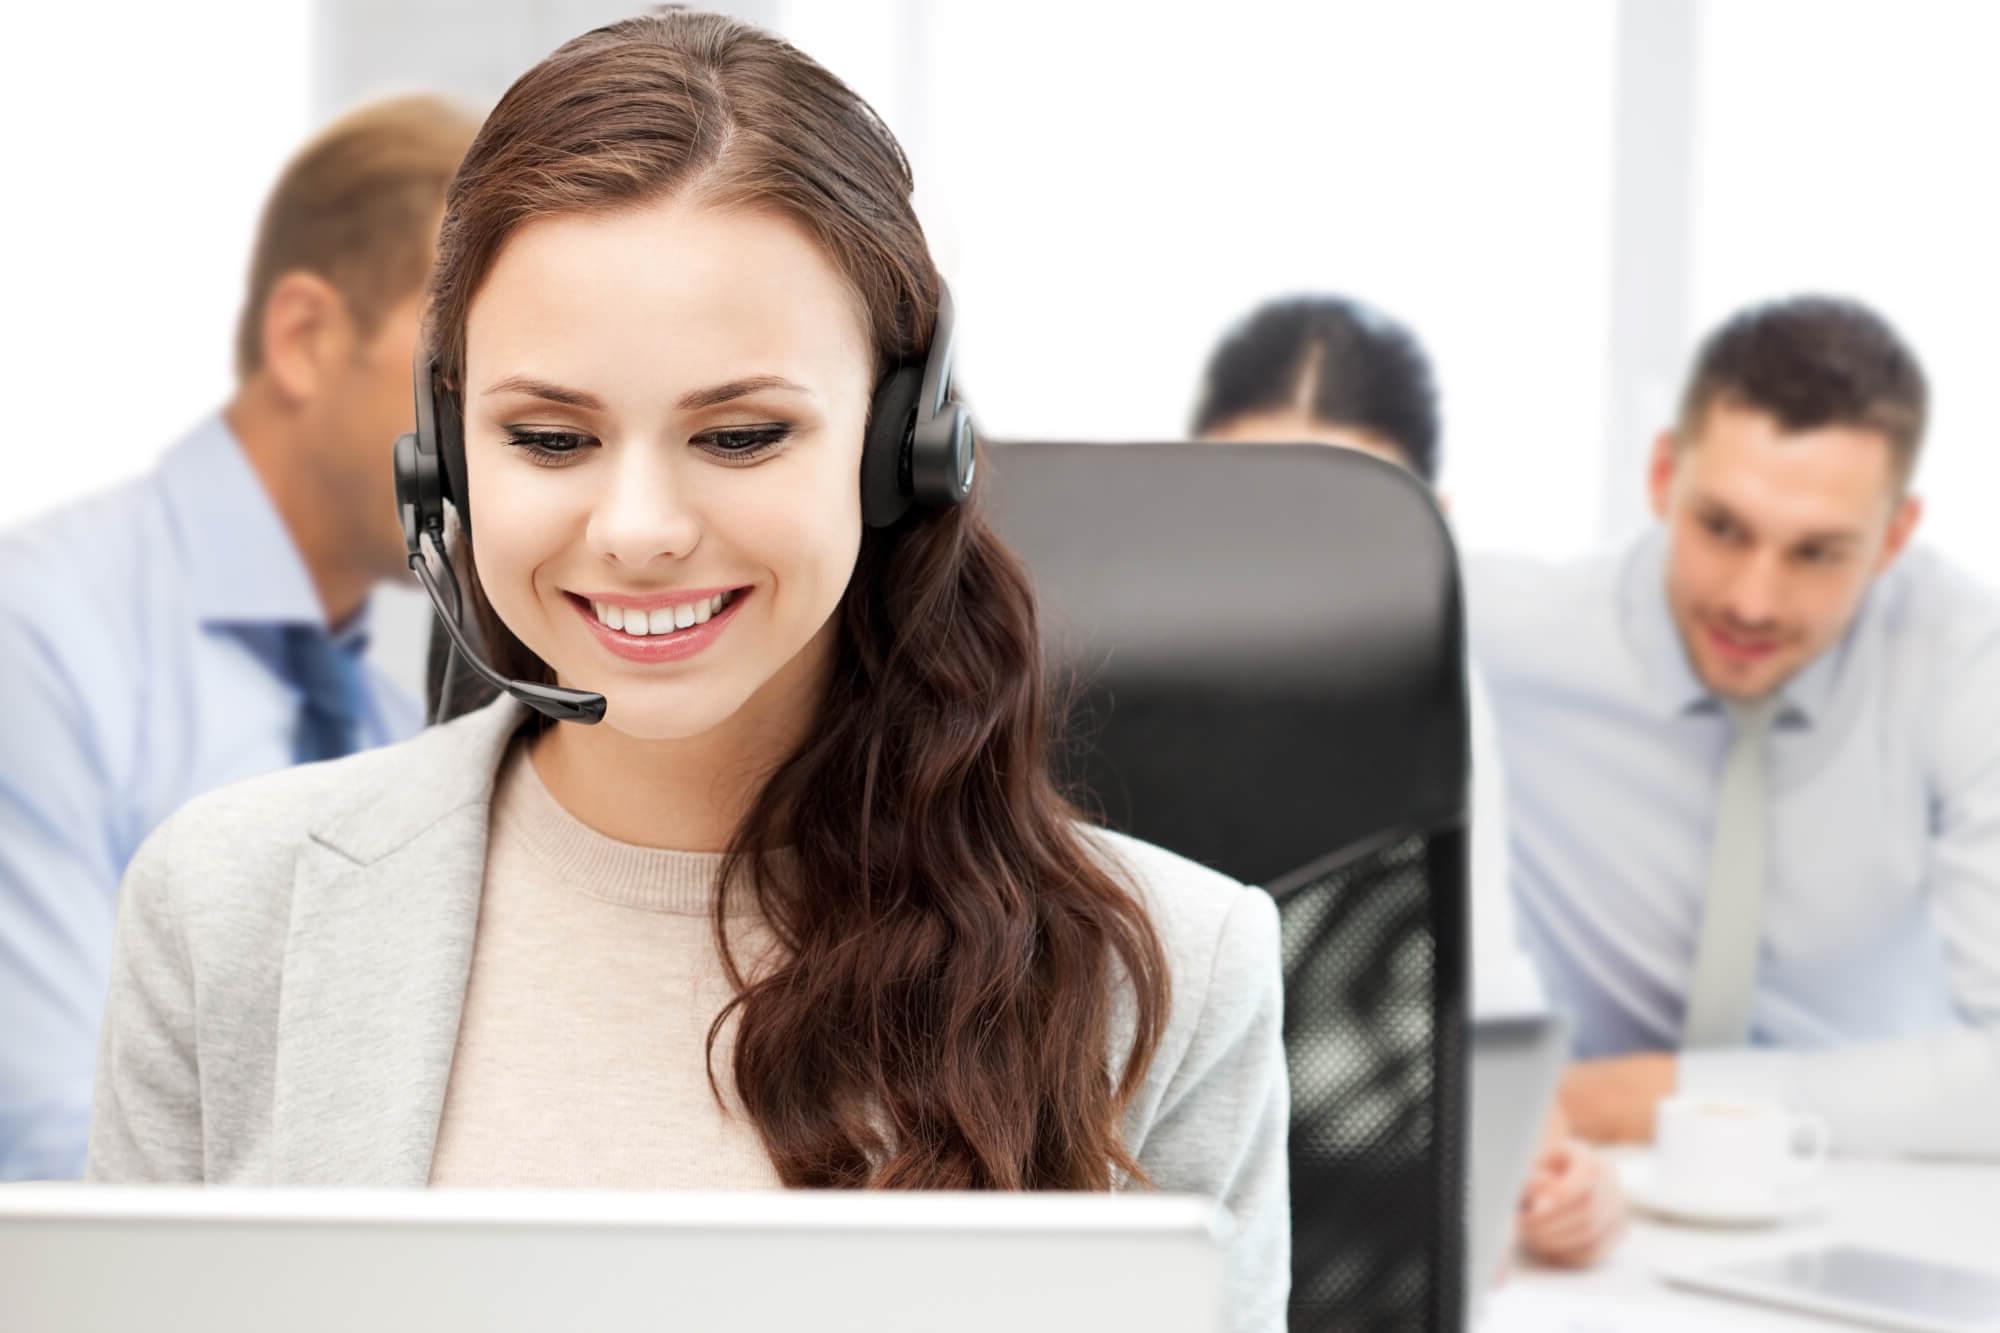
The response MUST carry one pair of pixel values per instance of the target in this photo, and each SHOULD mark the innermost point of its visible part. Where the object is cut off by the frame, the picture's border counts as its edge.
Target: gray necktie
(1732, 914)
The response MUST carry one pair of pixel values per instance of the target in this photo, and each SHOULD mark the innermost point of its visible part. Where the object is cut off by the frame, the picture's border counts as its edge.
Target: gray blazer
(291, 962)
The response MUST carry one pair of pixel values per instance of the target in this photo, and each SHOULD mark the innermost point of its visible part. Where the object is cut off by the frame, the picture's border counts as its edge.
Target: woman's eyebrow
(552, 393)
(715, 394)
(692, 401)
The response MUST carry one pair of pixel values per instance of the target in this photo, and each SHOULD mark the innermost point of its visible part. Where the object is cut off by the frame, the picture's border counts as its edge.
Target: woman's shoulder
(306, 793)
(1208, 1115)
(1210, 925)
(251, 830)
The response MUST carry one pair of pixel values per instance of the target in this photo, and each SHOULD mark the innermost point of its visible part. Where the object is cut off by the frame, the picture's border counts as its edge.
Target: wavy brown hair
(953, 950)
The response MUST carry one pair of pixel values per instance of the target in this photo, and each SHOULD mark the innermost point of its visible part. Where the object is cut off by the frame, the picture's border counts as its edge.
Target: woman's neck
(688, 794)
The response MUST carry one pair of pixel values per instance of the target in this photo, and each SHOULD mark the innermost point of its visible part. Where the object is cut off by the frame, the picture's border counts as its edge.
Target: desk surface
(1948, 1211)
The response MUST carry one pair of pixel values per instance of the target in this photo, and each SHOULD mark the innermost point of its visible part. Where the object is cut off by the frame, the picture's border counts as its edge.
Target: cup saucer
(1651, 1194)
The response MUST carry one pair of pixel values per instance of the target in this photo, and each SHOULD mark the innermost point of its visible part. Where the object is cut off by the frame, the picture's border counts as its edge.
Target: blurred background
(1559, 196)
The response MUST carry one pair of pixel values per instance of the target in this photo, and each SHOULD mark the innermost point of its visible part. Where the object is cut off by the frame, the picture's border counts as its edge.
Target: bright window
(1849, 146)
(1111, 185)
(144, 139)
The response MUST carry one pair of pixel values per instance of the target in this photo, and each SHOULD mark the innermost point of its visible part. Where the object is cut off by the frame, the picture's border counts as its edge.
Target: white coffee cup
(1736, 1152)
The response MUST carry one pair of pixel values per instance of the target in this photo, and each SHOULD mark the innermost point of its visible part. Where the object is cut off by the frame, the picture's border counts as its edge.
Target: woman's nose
(644, 513)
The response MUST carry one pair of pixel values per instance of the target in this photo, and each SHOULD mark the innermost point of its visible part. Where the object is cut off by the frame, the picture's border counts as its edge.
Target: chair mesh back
(1373, 1051)
(1269, 648)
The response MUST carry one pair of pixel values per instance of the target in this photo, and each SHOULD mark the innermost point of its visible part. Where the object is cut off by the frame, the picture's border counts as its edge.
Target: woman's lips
(670, 647)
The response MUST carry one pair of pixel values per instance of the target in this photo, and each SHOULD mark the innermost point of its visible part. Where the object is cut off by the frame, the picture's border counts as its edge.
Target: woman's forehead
(673, 289)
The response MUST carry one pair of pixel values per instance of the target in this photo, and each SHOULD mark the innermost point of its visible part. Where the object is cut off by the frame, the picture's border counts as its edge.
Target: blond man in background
(206, 622)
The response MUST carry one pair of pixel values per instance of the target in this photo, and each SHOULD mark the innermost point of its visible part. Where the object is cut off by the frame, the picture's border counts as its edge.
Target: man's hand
(1612, 1101)
(1573, 1210)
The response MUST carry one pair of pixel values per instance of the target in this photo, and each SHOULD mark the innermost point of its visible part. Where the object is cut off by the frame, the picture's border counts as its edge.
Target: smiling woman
(704, 441)
(806, 908)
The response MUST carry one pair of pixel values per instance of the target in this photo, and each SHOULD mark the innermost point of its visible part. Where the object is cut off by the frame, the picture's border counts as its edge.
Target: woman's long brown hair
(953, 950)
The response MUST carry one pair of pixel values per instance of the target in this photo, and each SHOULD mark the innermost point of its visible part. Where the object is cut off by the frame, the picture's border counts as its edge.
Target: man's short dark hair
(1341, 361)
(1812, 362)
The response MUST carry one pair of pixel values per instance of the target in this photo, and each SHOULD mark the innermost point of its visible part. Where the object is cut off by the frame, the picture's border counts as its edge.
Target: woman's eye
(740, 444)
(549, 448)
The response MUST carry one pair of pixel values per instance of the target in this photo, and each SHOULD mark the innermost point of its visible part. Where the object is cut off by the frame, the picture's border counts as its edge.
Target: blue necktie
(335, 686)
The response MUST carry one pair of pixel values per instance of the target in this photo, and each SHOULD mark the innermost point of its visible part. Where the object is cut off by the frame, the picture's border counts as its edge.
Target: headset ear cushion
(885, 489)
(943, 456)
(416, 491)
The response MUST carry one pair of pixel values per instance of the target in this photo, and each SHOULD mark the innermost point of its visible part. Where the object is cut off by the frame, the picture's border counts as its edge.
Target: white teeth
(662, 620)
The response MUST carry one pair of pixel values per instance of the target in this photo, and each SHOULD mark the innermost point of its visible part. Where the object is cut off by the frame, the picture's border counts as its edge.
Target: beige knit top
(580, 1058)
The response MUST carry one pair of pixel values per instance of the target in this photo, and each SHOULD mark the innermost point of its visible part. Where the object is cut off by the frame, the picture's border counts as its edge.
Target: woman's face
(664, 410)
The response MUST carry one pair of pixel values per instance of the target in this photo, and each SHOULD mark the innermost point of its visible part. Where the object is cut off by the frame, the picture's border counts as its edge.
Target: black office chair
(1268, 647)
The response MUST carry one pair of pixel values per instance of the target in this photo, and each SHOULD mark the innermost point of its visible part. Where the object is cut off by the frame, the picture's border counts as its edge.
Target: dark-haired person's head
(677, 263)
(1785, 485)
(1325, 370)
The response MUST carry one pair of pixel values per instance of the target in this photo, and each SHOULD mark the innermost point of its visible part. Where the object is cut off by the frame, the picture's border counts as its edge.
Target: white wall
(1854, 146)
(1110, 185)
(142, 138)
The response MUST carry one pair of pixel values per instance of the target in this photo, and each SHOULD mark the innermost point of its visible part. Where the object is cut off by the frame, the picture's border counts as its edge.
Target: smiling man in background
(207, 621)
(1755, 761)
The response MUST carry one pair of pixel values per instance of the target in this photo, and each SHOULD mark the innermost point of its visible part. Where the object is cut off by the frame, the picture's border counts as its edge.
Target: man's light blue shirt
(141, 633)
(1878, 991)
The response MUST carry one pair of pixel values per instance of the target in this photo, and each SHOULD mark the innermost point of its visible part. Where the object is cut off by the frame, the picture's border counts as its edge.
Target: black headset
(920, 450)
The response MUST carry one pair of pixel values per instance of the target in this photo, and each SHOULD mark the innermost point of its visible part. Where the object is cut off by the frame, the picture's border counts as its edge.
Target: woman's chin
(662, 715)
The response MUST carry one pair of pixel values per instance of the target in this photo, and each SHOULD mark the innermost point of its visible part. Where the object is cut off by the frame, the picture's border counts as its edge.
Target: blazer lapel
(385, 908)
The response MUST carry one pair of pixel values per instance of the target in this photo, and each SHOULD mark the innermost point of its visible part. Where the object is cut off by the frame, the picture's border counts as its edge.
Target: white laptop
(1515, 1064)
(501, 1261)
(1860, 1285)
